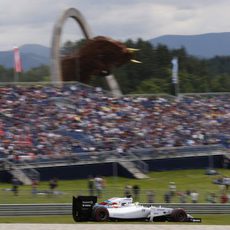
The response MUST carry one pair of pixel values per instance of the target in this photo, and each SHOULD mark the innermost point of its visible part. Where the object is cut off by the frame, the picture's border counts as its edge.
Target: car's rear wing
(82, 207)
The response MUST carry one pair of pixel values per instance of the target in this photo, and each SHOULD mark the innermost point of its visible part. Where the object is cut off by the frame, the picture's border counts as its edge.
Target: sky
(32, 21)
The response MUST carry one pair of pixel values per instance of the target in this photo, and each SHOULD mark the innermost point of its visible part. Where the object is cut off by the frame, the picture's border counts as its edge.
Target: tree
(37, 74)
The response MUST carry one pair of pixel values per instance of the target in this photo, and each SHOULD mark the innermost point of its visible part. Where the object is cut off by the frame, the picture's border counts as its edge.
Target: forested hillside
(154, 74)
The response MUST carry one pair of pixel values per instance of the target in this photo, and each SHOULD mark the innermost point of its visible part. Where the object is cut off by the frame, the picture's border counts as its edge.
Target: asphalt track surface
(149, 226)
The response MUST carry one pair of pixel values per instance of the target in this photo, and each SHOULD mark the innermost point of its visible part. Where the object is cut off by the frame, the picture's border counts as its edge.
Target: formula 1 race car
(86, 208)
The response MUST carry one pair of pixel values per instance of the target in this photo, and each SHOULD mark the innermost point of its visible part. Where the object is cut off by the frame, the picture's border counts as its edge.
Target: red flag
(17, 60)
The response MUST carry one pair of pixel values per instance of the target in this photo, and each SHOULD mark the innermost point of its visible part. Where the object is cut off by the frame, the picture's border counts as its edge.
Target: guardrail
(35, 209)
(66, 209)
(200, 208)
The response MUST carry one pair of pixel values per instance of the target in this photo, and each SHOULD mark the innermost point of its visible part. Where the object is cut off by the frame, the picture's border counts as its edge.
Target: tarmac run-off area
(105, 226)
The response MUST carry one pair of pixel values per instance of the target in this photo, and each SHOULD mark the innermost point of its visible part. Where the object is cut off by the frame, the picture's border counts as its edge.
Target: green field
(206, 219)
(158, 182)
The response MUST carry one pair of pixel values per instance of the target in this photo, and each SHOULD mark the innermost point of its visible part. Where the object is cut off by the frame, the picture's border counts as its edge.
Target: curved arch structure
(56, 76)
(55, 46)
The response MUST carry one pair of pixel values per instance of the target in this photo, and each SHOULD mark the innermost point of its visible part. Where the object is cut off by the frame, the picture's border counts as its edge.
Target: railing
(25, 170)
(140, 164)
(31, 173)
(66, 209)
(135, 155)
(43, 194)
(130, 156)
(17, 172)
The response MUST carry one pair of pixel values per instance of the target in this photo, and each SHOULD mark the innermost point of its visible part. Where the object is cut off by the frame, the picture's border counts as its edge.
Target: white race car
(86, 208)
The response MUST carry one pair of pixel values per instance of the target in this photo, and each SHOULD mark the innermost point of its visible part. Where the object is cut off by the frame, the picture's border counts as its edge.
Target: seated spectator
(45, 122)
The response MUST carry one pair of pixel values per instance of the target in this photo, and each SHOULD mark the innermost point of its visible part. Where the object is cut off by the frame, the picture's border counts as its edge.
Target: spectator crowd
(52, 122)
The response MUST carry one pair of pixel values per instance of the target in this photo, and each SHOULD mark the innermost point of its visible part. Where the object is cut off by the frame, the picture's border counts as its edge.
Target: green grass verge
(158, 182)
(206, 219)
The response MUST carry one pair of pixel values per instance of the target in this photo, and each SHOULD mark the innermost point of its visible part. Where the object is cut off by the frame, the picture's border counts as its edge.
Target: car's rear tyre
(179, 215)
(100, 214)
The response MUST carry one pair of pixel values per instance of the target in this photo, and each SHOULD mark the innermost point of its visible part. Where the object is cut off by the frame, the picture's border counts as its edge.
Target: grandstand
(75, 127)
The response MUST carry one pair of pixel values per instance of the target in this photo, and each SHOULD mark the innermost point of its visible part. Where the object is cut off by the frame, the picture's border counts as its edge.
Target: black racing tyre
(179, 215)
(100, 214)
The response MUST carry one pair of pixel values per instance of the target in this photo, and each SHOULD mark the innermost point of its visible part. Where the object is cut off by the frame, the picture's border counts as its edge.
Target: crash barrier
(66, 209)
(200, 208)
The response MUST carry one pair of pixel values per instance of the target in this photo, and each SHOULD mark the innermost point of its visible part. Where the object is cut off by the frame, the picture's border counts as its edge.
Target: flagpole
(16, 76)
(17, 64)
(175, 81)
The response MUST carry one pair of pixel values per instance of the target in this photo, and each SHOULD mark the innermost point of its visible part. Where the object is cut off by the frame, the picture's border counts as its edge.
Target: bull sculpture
(97, 57)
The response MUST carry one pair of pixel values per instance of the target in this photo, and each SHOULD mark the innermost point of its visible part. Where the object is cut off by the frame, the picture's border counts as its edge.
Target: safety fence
(43, 195)
(66, 209)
